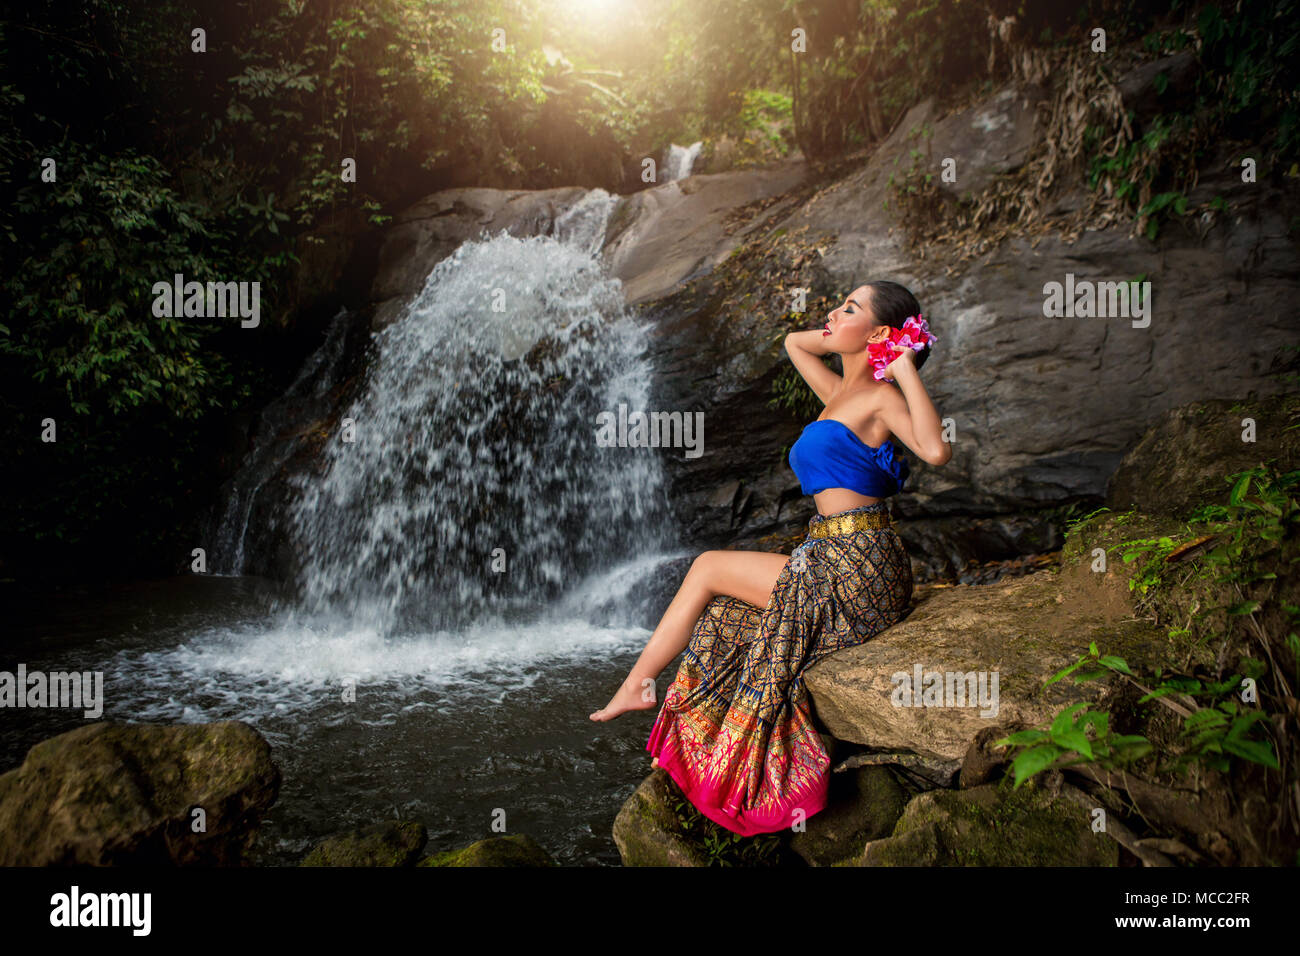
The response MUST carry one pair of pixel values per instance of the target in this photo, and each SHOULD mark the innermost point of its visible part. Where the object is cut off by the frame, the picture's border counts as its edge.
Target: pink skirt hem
(722, 807)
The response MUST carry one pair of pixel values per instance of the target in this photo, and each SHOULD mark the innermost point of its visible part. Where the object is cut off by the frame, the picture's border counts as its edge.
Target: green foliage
(1252, 533)
(1211, 734)
(1163, 153)
(1073, 521)
(791, 392)
(722, 847)
(867, 64)
(764, 124)
(220, 166)
(1252, 69)
(1154, 550)
(80, 304)
(761, 107)
(1077, 735)
(1261, 511)
(1249, 71)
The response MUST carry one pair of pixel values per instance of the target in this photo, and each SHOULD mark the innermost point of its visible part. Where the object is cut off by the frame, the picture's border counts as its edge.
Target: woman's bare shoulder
(867, 407)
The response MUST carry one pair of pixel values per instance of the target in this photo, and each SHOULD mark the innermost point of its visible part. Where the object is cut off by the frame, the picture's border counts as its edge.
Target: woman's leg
(748, 575)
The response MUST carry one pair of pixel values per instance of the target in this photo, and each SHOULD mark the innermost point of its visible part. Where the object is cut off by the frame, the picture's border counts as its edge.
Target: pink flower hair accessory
(914, 334)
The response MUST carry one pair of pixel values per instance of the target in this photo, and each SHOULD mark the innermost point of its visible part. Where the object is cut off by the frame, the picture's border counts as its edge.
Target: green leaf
(1022, 737)
(1258, 751)
(1065, 719)
(1032, 761)
(1239, 490)
(1116, 664)
(1074, 740)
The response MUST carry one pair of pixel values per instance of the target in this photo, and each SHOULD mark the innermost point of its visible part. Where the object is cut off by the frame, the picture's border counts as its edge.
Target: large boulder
(1011, 379)
(1021, 630)
(660, 238)
(110, 794)
(992, 137)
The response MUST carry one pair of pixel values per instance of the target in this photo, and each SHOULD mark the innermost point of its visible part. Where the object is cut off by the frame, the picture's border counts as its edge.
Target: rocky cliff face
(1042, 408)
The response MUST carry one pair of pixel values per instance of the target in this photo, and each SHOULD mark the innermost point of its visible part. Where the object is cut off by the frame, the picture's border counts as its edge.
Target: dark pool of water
(446, 729)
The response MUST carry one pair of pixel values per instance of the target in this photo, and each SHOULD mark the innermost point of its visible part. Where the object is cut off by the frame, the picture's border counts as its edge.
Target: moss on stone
(517, 849)
(383, 844)
(993, 825)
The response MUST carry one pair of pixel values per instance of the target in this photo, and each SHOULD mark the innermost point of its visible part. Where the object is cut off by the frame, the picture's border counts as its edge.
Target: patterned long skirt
(736, 729)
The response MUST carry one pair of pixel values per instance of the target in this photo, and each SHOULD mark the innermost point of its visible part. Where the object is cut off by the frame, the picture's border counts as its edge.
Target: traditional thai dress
(735, 731)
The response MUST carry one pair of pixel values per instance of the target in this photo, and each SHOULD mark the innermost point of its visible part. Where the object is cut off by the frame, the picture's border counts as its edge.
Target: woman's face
(852, 326)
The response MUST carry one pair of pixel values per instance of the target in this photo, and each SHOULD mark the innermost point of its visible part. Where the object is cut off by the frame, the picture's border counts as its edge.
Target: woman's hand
(906, 356)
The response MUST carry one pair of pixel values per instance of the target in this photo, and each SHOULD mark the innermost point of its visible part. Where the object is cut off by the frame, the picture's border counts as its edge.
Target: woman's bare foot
(625, 699)
(654, 762)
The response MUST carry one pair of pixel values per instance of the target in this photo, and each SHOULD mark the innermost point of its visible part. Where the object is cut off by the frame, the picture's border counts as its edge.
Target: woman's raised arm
(914, 420)
(805, 350)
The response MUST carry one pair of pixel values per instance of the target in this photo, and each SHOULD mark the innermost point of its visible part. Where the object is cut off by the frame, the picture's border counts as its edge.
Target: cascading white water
(408, 670)
(680, 160)
(474, 485)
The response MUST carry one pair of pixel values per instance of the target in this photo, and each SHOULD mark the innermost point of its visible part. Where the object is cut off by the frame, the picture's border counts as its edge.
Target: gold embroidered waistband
(847, 524)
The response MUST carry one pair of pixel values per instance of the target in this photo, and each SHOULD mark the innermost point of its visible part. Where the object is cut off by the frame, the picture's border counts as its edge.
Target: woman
(735, 731)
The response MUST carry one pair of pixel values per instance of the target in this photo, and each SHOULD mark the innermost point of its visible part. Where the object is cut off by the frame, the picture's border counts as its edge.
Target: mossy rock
(518, 849)
(992, 825)
(648, 833)
(383, 844)
(919, 847)
(865, 804)
(111, 794)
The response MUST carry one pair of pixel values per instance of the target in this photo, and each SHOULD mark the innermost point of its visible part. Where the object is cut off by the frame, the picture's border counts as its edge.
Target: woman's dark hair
(892, 305)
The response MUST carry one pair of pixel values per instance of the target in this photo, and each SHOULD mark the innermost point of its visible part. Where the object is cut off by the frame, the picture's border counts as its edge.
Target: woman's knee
(704, 568)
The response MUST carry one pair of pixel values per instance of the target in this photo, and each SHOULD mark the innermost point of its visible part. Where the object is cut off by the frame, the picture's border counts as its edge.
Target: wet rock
(518, 849)
(391, 843)
(112, 794)
(429, 231)
(659, 238)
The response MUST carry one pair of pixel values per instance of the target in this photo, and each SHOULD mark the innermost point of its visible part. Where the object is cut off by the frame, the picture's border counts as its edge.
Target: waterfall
(465, 480)
(680, 159)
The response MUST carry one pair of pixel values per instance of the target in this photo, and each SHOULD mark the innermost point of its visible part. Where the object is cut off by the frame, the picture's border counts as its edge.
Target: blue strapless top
(833, 457)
